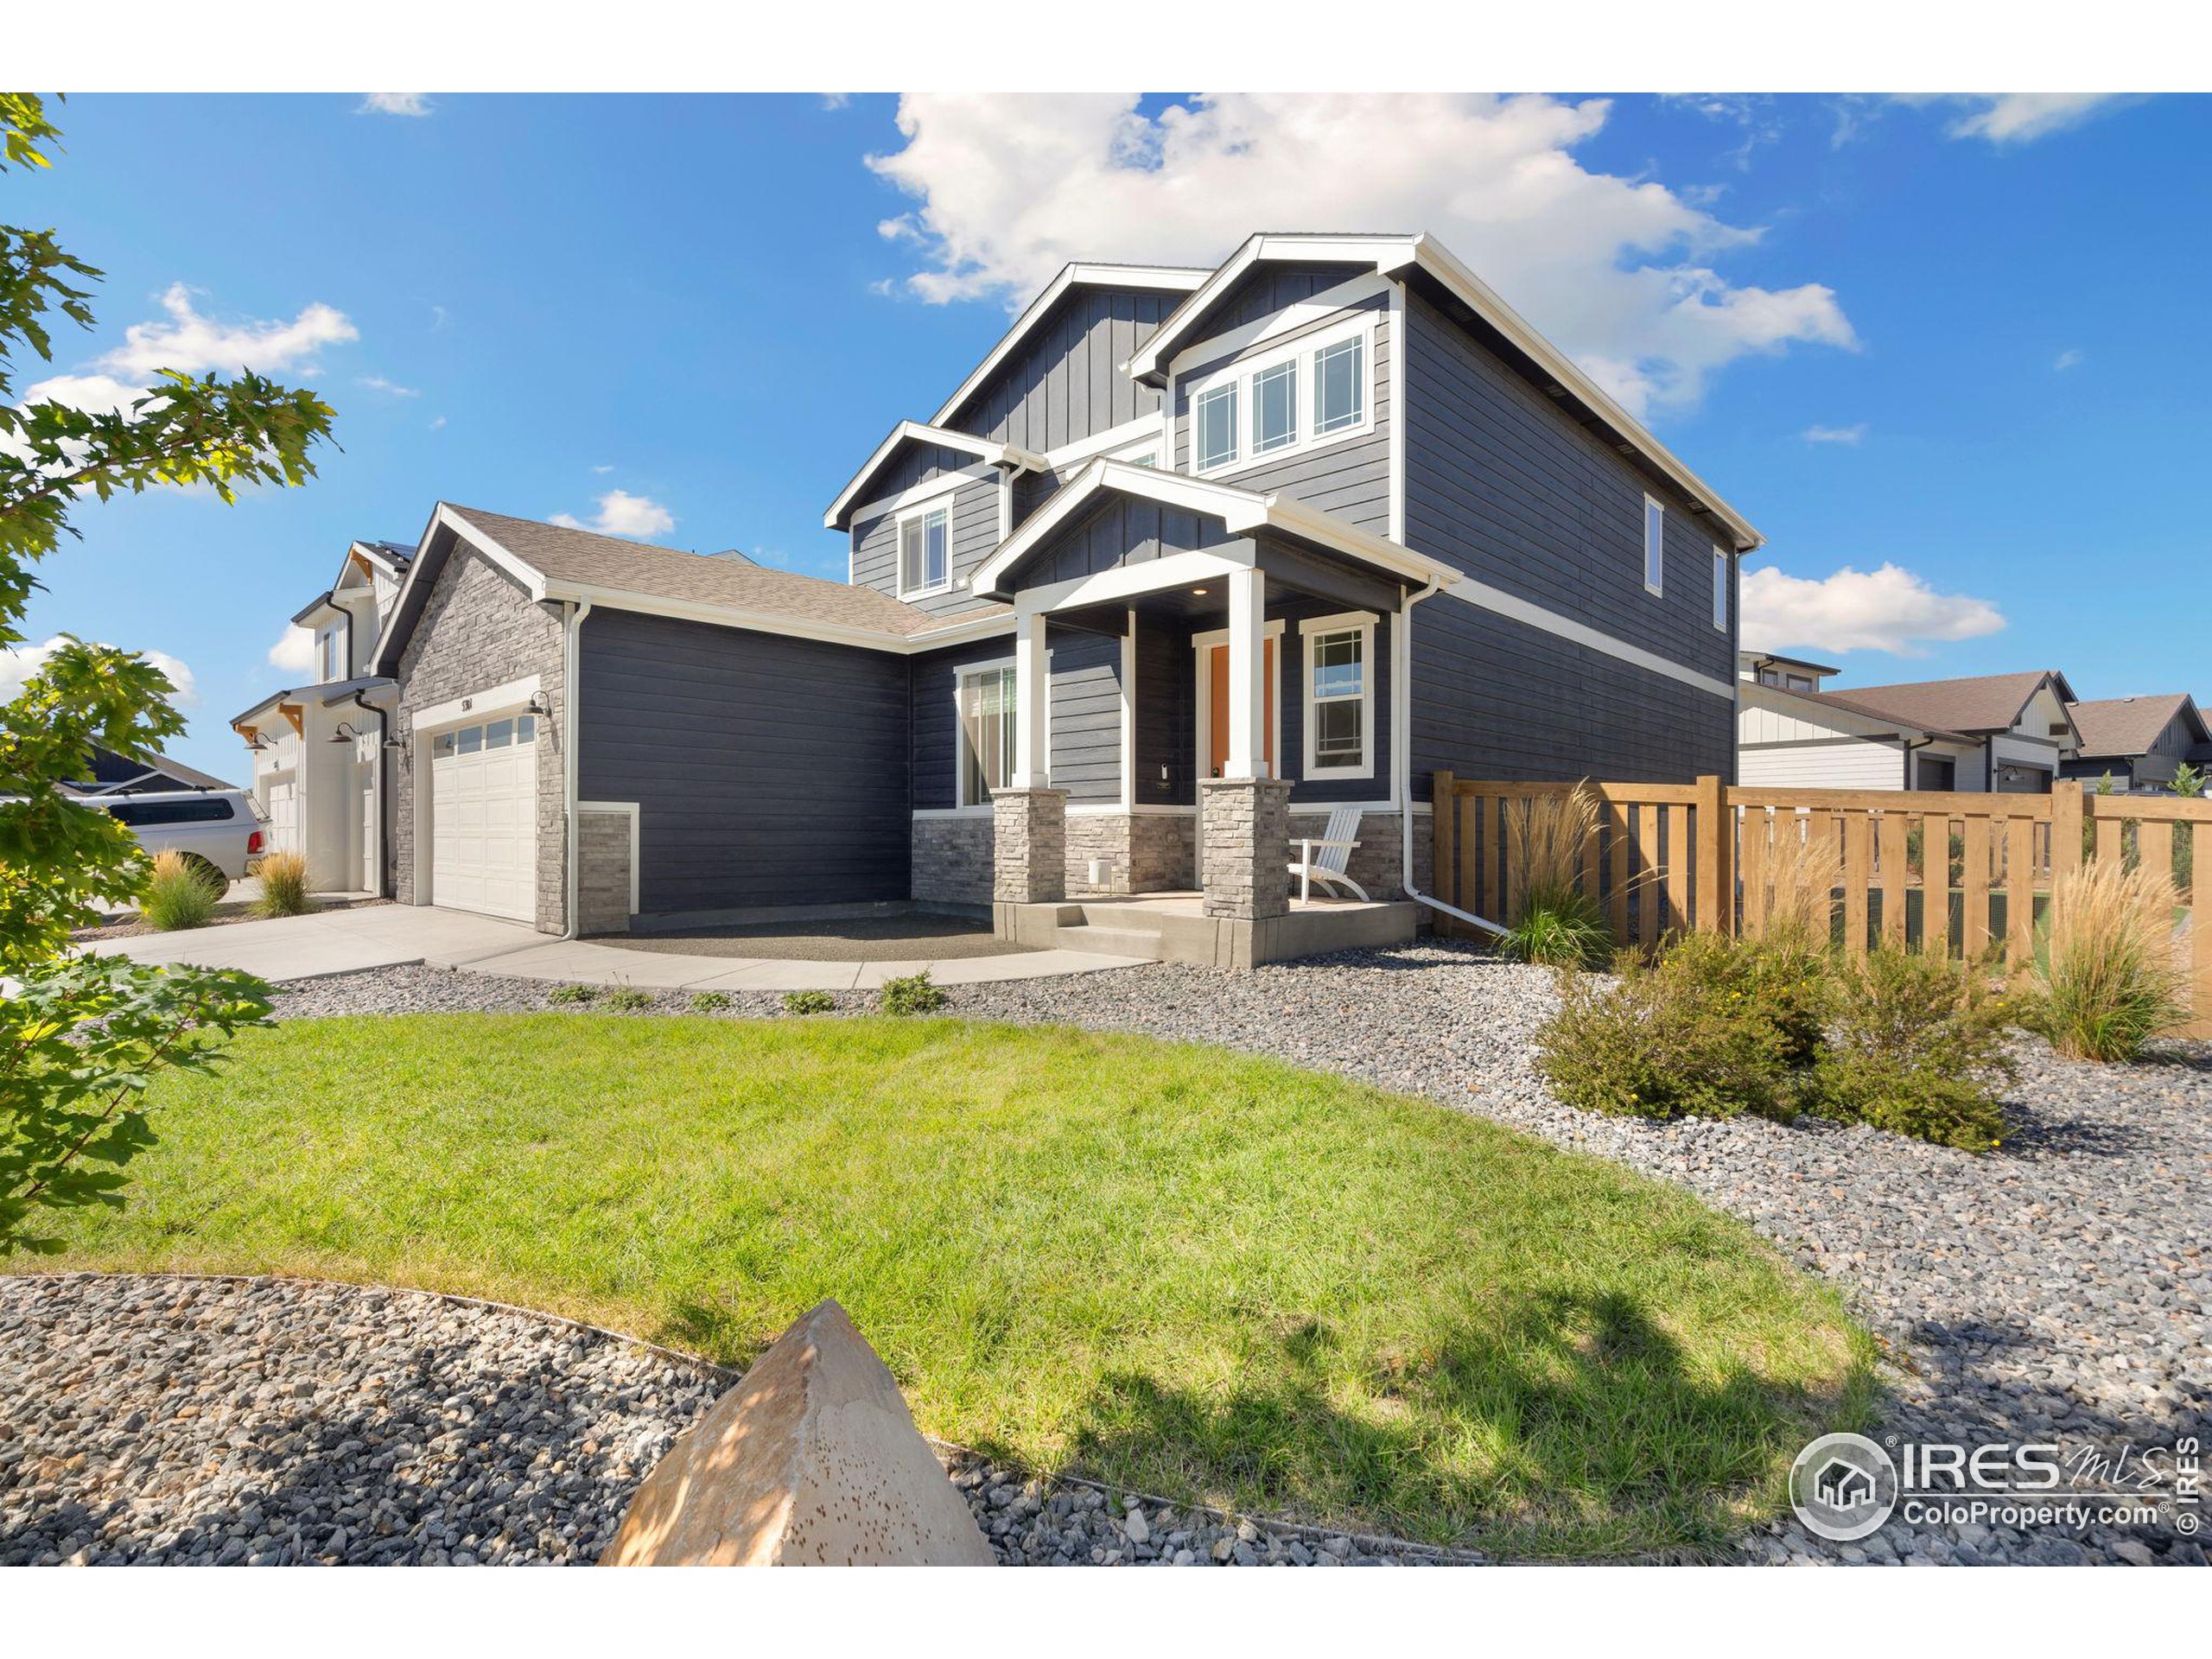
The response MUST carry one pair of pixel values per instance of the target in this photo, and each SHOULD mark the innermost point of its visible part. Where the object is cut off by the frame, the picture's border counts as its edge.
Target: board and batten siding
(1120, 531)
(1349, 478)
(768, 771)
(1066, 381)
(972, 524)
(1502, 484)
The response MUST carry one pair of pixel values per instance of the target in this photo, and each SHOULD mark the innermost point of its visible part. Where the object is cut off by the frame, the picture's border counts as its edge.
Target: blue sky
(1988, 314)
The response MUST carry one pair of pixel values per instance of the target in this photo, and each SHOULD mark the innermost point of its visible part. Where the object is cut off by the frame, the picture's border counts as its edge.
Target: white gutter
(570, 740)
(1401, 760)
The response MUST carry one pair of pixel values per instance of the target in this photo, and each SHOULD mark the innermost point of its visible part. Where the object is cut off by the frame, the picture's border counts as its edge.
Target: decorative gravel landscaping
(2056, 1289)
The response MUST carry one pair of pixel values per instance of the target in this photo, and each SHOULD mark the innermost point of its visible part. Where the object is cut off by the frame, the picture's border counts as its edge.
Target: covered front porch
(1259, 646)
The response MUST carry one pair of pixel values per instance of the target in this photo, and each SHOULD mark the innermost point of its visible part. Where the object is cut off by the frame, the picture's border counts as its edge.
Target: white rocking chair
(1325, 858)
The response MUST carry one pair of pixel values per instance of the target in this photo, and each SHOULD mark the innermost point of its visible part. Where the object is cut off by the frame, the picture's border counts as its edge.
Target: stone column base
(1029, 837)
(605, 862)
(1244, 847)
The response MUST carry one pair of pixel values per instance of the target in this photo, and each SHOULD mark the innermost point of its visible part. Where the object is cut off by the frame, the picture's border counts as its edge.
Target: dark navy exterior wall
(768, 771)
(1067, 382)
(1086, 717)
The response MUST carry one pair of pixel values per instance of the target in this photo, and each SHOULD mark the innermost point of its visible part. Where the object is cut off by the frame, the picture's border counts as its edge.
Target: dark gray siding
(1267, 291)
(1503, 485)
(931, 679)
(768, 771)
(1167, 714)
(1495, 698)
(1086, 719)
(973, 524)
(1350, 478)
(1066, 381)
(1291, 762)
(1119, 530)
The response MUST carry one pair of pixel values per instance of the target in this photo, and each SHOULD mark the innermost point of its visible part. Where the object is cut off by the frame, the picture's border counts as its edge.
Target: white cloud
(294, 650)
(603, 471)
(621, 513)
(2021, 117)
(188, 341)
(2067, 359)
(1818, 433)
(18, 664)
(1618, 270)
(1889, 609)
(394, 104)
(378, 383)
(437, 422)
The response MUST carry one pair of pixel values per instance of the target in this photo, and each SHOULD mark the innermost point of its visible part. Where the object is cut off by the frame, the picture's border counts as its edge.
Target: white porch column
(1247, 690)
(1032, 763)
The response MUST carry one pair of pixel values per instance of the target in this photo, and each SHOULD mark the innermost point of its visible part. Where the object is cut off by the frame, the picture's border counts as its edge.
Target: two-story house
(1191, 558)
(316, 749)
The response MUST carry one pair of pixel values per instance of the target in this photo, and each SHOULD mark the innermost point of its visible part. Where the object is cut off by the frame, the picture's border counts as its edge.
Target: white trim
(1129, 433)
(1385, 253)
(982, 812)
(1322, 809)
(477, 706)
(1127, 580)
(961, 673)
(1399, 360)
(1310, 629)
(1484, 597)
(1299, 314)
(1655, 547)
(1202, 699)
(928, 490)
(1171, 279)
(995, 455)
(1307, 437)
(443, 517)
(1129, 709)
(1723, 574)
(922, 514)
(630, 808)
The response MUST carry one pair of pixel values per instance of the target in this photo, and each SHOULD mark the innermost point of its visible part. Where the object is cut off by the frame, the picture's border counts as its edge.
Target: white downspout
(571, 737)
(1401, 759)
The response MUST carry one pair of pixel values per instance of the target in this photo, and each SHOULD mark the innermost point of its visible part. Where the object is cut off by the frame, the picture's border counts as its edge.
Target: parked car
(218, 832)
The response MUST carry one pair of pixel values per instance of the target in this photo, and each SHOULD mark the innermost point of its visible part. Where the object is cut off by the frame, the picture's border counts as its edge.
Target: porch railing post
(1716, 864)
(1032, 763)
(1248, 606)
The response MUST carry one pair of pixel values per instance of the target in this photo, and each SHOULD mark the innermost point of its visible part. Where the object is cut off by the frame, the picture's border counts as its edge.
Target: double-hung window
(1719, 587)
(1340, 385)
(1216, 422)
(1274, 408)
(1340, 696)
(1655, 545)
(987, 732)
(925, 552)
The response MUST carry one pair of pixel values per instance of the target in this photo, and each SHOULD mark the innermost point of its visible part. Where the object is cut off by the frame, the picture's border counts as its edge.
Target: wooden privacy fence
(1954, 874)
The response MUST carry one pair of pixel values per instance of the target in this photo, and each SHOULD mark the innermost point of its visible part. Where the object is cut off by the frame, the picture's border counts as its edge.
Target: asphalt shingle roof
(1988, 703)
(2119, 726)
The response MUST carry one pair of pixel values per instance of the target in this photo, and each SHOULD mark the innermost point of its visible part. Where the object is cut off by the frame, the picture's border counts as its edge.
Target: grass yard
(1200, 1274)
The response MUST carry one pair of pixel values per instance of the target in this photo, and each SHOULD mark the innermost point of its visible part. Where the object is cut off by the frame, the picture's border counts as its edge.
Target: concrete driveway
(335, 942)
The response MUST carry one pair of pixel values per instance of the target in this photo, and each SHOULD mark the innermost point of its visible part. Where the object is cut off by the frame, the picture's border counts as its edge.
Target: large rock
(813, 1460)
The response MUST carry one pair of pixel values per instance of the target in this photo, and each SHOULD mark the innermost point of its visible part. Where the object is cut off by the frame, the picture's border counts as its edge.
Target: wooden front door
(1218, 711)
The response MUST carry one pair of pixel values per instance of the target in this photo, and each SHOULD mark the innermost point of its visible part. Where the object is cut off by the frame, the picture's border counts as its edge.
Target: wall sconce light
(345, 733)
(540, 704)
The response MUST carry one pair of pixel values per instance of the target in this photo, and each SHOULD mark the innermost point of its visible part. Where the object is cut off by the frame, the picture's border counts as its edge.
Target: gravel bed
(2054, 1290)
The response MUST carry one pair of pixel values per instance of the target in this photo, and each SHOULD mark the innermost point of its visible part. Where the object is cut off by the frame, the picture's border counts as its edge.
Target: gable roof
(120, 774)
(555, 563)
(838, 514)
(1398, 254)
(1985, 702)
(2129, 726)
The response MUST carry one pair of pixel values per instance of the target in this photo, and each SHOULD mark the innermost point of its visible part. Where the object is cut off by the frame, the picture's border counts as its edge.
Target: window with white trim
(1719, 587)
(1655, 545)
(987, 732)
(1340, 385)
(1214, 424)
(1274, 408)
(1339, 695)
(328, 651)
(925, 552)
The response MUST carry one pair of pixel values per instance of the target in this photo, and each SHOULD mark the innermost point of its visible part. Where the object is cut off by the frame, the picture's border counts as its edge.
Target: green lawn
(1201, 1274)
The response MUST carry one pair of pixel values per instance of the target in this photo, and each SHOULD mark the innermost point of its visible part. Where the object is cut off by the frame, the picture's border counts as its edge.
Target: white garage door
(283, 804)
(484, 819)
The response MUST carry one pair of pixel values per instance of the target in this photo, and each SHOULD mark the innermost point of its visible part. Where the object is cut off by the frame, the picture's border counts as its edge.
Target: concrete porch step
(1142, 943)
(1172, 932)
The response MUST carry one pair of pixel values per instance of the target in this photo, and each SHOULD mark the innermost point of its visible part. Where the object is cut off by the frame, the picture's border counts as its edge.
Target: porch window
(1655, 545)
(1340, 385)
(1274, 408)
(1216, 427)
(987, 737)
(924, 545)
(1339, 697)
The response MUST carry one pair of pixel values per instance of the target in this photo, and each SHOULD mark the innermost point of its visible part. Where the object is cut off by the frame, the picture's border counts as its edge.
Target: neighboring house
(2001, 732)
(107, 773)
(2138, 741)
(1192, 557)
(317, 770)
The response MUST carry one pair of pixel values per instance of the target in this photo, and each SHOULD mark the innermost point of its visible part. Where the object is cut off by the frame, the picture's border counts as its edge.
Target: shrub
(1699, 1033)
(710, 1002)
(628, 999)
(572, 993)
(177, 894)
(817, 1002)
(283, 884)
(1913, 1044)
(2109, 978)
(913, 994)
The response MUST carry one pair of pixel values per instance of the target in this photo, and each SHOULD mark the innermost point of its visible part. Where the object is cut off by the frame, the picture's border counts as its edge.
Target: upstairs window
(1274, 408)
(987, 732)
(1719, 588)
(1216, 440)
(329, 663)
(1655, 545)
(1340, 385)
(925, 563)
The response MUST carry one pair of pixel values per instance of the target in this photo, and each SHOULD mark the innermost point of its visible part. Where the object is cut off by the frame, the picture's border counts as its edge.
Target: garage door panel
(484, 820)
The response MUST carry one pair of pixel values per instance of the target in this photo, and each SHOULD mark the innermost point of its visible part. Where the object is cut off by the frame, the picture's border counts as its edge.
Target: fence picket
(1974, 903)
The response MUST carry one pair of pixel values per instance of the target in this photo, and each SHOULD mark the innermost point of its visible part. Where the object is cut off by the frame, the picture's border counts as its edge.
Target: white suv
(218, 832)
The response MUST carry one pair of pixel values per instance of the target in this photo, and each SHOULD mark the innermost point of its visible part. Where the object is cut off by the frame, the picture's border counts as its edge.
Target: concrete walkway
(386, 936)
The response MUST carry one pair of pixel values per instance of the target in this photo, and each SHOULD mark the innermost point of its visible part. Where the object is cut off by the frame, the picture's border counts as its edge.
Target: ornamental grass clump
(177, 894)
(2109, 972)
(1551, 921)
(283, 884)
(1804, 872)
